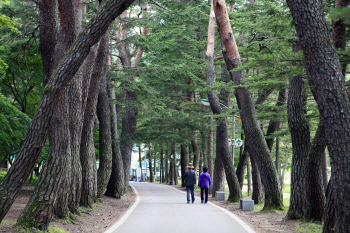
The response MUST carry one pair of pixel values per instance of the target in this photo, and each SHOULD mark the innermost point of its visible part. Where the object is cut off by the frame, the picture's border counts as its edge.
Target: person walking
(191, 180)
(204, 182)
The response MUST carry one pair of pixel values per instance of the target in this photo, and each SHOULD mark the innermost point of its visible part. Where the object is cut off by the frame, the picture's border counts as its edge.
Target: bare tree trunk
(173, 151)
(105, 166)
(300, 135)
(162, 165)
(258, 189)
(258, 149)
(314, 184)
(38, 129)
(150, 164)
(241, 167)
(326, 77)
(166, 166)
(210, 152)
(184, 162)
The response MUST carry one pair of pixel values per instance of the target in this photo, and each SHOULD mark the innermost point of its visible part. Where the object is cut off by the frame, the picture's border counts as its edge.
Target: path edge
(126, 215)
(232, 215)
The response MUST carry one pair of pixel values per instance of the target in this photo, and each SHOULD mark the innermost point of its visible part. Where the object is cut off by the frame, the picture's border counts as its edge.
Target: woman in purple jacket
(204, 183)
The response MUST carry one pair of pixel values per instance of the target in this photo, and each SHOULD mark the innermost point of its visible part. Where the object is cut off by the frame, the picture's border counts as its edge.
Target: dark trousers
(206, 194)
(190, 189)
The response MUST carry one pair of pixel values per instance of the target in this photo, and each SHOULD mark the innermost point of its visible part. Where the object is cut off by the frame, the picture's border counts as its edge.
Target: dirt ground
(107, 212)
(97, 220)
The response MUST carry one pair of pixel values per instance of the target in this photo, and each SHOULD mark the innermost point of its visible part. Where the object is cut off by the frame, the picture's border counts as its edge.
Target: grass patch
(308, 227)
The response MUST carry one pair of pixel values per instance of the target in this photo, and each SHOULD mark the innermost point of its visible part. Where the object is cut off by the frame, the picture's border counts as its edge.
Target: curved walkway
(161, 208)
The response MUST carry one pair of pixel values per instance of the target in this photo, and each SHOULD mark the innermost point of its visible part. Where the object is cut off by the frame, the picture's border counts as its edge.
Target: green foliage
(13, 127)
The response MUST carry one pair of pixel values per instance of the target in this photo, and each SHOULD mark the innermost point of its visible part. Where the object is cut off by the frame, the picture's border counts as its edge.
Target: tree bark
(40, 208)
(166, 166)
(210, 152)
(258, 149)
(38, 129)
(314, 183)
(241, 167)
(150, 164)
(104, 113)
(221, 130)
(333, 102)
(300, 135)
(184, 162)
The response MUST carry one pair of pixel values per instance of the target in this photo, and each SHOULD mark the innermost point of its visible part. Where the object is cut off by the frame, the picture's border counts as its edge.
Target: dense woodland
(83, 82)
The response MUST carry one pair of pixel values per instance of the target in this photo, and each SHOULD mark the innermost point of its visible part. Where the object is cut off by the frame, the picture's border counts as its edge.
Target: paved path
(160, 208)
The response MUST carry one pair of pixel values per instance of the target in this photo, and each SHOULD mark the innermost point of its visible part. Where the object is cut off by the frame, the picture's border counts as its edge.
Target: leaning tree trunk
(105, 166)
(258, 149)
(38, 130)
(221, 130)
(300, 135)
(325, 73)
(219, 175)
(314, 183)
(184, 162)
(258, 189)
(40, 208)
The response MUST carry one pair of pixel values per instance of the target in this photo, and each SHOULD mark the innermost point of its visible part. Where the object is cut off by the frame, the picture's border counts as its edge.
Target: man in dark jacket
(191, 180)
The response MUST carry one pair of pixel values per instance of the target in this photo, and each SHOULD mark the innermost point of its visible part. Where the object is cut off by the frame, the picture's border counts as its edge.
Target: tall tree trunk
(210, 152)
(221, 130)
(115, 185)
(258, 149)
(166, 166)
(300, 135)
(314, 184)
(278, 160)
(184, 162)
(173, 151)
(326, 77)
(258, 189)
(150, 164)
(105, 166)
(161, 165)
(38, 130)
